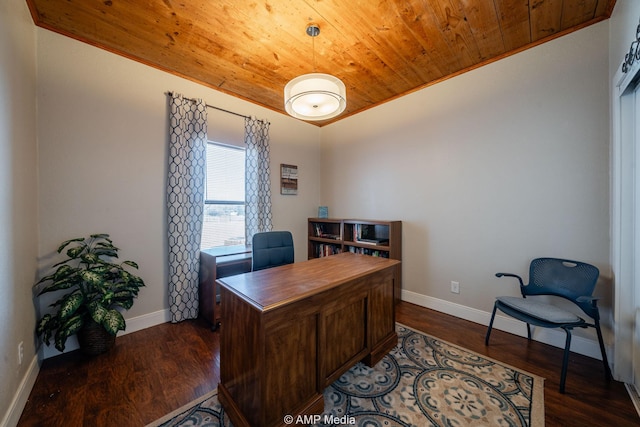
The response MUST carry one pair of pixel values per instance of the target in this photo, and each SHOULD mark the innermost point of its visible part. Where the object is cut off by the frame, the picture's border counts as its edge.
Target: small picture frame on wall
(288, 179)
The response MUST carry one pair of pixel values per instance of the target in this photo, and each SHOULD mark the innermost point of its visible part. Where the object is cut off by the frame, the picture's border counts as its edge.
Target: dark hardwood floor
(152, 372)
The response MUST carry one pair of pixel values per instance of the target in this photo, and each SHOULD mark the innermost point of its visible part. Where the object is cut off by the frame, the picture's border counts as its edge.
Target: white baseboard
(554, 337)
(633, 394)
(19, 401)
(147, 320)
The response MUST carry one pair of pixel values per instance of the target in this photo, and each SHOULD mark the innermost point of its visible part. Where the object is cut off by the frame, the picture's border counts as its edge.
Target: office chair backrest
(564, 278)
(271, 249)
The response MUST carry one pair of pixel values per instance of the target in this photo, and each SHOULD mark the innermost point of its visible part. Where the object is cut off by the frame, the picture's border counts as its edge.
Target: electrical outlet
(455, 287)
(20, 352)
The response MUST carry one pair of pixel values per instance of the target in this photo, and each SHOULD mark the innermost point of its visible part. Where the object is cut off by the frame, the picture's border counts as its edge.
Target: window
(223, 223)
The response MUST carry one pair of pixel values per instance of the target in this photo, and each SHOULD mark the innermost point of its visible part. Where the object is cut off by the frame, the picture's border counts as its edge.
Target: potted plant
(95, 289)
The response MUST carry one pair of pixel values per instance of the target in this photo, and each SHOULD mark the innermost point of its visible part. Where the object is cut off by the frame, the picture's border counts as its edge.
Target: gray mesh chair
(571, 280)
(271, 249)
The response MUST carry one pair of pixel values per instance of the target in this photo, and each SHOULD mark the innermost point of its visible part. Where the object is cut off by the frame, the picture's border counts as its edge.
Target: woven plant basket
(94, 339)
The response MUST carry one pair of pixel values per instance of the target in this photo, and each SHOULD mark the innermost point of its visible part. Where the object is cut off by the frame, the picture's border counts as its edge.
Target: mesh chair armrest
(511, 275)
(589, 299)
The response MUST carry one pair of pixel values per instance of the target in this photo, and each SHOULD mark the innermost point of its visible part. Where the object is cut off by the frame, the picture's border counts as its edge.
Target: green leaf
(109, 252)
(125, 276)
(124, 299)
(131, 263)
(70, 305)
(42, 324)
(97, 311)
(75, 252)
(113, 322)
(107, 297)
(137, 281)
(108, 244)
(101, 236)
(89, 258)
(100, 269)
(66, 243)
(92, 278)
(130, 287)
(64, 271)
(64, 278)
(68, 328)
(124, 286)
(56, 286)
(46, 326)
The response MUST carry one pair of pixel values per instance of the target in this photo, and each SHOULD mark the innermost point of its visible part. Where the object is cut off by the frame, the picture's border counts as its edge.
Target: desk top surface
(227, 250)
(271, 288)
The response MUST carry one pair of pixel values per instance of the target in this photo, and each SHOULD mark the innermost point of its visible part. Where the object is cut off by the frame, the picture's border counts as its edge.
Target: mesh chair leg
(565, 360)
(493, 315)
(607, 369)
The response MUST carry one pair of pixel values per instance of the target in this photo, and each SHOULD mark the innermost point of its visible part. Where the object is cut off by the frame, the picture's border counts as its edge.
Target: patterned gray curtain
(258, 180)
(185, 202)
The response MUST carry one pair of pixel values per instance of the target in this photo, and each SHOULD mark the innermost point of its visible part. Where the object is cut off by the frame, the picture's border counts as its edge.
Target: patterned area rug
(424, 381)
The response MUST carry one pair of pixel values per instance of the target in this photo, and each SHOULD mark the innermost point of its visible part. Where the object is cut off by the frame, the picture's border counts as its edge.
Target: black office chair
(271, 249)
(571, 280)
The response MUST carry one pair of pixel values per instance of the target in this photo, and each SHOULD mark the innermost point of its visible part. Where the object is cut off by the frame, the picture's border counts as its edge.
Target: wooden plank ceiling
(381, 49)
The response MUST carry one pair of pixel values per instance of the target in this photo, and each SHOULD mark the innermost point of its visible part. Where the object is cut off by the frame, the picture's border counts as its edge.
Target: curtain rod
(217, 108)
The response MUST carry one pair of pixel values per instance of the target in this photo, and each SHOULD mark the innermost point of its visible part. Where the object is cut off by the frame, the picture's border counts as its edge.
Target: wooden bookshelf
(330, 236)
(325, 237)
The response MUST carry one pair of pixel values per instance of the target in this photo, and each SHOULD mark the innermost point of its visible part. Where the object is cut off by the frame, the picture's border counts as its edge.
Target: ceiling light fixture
(315, 96)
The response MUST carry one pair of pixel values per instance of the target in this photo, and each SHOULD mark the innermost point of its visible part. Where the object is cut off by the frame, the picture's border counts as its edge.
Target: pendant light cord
(313, 31)
(313, 47)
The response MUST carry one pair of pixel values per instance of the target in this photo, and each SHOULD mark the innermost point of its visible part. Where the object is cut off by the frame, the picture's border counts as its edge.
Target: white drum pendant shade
(315, 96)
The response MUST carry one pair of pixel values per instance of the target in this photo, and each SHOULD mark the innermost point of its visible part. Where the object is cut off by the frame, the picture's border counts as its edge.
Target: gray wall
(488, 170)
(18, 202)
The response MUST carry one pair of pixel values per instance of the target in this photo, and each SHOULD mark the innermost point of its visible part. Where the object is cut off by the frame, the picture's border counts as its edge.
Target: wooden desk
(215, 263)
(289, 332)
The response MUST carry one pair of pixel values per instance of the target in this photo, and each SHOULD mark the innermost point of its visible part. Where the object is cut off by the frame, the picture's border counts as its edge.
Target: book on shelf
(323, 250)
(319, 231)
(330, 236)
(377, 242)
(371, 252)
